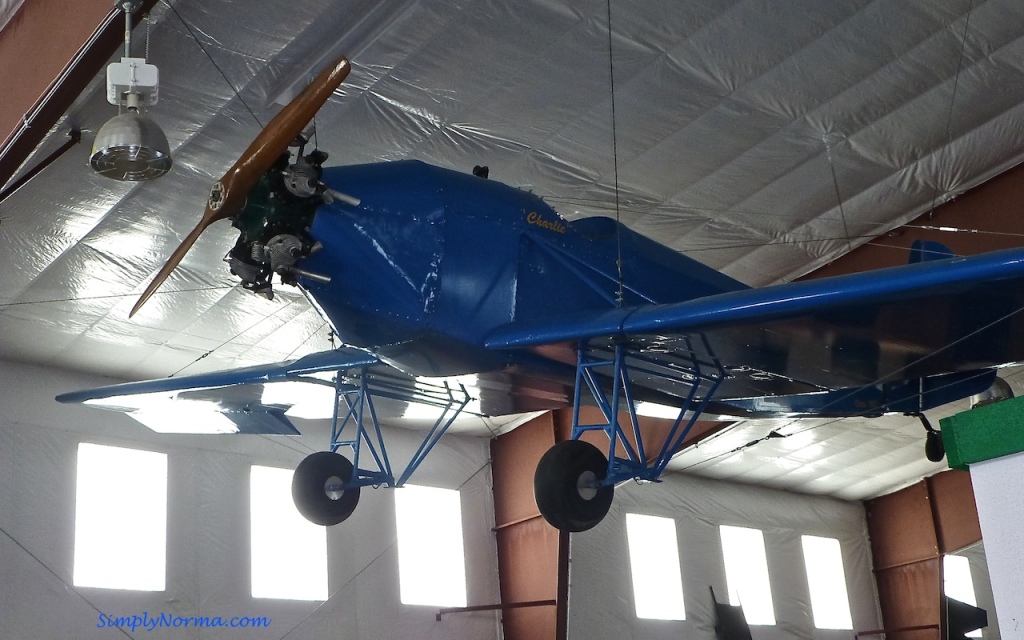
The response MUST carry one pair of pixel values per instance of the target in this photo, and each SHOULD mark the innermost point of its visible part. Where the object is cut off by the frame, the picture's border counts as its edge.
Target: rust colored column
(533, 556)
(529, 549)
(910, 531)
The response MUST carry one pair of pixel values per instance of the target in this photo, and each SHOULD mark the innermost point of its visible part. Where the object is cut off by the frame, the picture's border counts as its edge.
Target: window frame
(655, 586)
(418, 574)
(760, 580)
(112, 546)
(817, 587)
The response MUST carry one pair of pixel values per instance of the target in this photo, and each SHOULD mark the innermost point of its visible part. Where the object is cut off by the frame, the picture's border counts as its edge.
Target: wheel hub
(334, 487)
(587, 485)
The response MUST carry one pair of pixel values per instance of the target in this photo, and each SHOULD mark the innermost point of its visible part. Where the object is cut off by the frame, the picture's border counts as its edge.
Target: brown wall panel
(954, 510)
(901, 529)
(528, 547)
(528, 561)
(533, 623)
(909, 597)
(514, 457)
(910, 530)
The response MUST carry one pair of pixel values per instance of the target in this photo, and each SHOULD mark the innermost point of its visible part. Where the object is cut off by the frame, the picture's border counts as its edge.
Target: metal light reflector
(132, 147)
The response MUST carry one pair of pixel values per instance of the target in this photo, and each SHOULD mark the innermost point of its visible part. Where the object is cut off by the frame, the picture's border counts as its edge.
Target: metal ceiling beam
(74, 137)
(42, 75)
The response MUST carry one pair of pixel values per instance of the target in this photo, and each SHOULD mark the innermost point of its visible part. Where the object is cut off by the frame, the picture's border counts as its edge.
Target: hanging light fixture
(131, 146)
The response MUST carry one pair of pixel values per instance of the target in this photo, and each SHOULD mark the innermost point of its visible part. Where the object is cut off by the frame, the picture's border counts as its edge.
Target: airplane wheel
(315, 488)
(566, 486)
(934, 449)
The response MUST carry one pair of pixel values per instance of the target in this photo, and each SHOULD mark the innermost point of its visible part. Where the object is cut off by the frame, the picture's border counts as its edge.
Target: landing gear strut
(575, 481)
(326, 484)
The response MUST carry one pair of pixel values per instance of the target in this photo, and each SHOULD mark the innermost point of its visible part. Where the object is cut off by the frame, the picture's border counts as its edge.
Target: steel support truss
(609, 382)
(355, 424)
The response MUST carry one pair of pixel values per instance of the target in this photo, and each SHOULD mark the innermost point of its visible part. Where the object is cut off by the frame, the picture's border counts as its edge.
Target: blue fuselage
(432, 260)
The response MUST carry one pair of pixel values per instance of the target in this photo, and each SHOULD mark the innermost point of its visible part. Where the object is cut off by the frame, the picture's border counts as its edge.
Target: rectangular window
(289, 553)
(746, 573)
(958, 584)
(826, 580)
(120, 518)
(654, 563)
(431, 558)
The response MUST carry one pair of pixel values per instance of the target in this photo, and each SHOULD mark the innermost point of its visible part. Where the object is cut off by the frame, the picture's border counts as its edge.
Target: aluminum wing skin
(951, 316)
(232, 401)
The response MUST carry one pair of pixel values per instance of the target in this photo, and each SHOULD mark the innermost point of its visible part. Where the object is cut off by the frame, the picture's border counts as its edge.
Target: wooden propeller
(228, 195)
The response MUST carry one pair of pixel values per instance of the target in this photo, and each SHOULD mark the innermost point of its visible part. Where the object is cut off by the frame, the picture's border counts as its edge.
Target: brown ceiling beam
(49, 53)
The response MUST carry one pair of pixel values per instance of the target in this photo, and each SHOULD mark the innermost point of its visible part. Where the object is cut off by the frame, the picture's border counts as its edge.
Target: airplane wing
(935, 318)
(245, 400)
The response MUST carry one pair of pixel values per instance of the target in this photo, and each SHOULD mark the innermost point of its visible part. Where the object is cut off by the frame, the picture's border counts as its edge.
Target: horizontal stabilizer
(925, 250)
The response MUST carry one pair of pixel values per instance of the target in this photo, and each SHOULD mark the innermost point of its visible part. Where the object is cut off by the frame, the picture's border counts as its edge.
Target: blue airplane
(426, 274)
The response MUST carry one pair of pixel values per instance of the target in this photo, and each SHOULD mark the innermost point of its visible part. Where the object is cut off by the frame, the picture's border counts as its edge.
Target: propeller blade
(169, 266)
(228, 195)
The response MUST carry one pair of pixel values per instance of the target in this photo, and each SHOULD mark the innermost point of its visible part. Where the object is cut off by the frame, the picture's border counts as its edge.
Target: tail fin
(925, 250)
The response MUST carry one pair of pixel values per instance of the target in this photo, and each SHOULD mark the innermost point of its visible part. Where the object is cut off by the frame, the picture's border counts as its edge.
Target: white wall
(601, 594)
(208, 528)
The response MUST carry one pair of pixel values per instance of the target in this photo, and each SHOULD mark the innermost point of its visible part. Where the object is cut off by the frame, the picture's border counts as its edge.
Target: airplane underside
(575, 480)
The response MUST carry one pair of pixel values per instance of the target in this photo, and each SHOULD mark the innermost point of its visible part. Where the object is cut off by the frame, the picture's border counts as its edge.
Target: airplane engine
(274, 225)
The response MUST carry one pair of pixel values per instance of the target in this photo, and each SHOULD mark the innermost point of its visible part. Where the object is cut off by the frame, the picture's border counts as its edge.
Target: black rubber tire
(309, 488)
(556, 486)
(934, 448)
